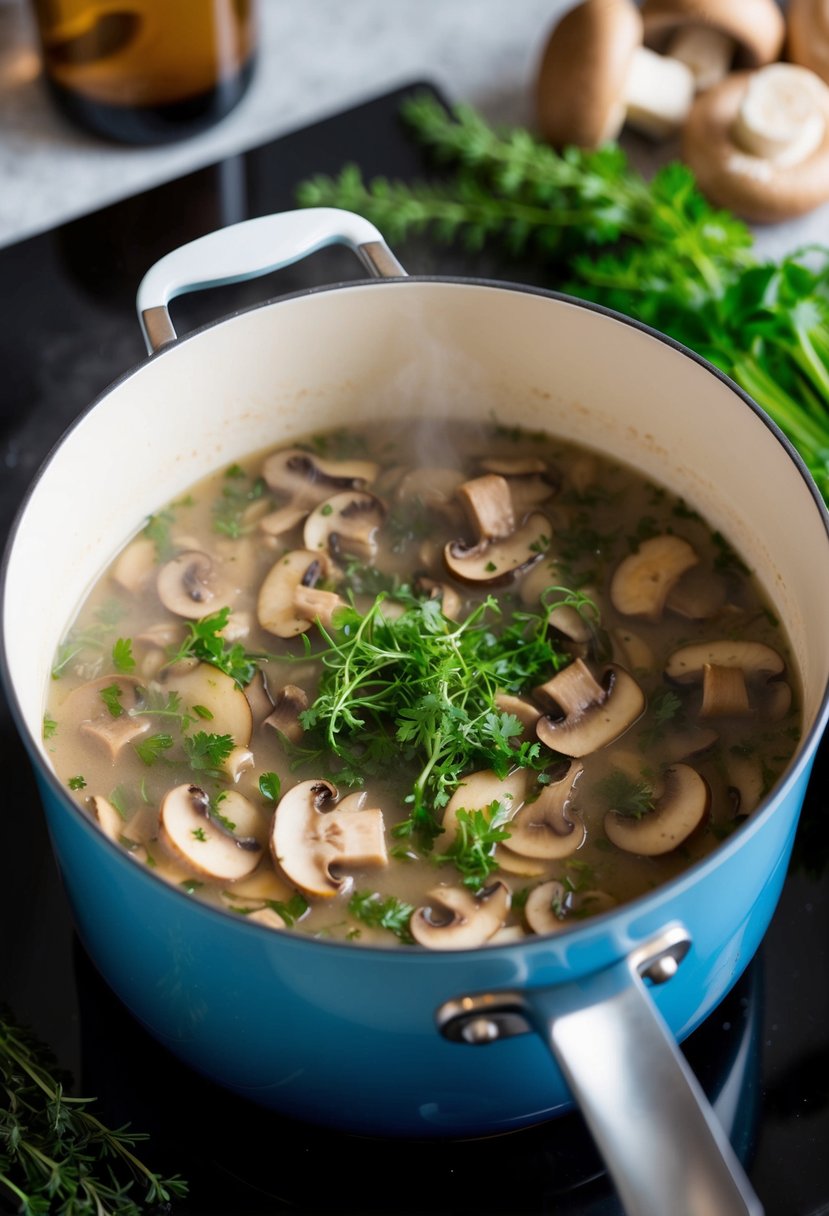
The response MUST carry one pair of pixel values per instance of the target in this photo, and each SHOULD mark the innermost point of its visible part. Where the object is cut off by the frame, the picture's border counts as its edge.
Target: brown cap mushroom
(345, 523)
(304, 478)
(680, 810)
(642, 580)
(455, 919)
(190, 585)
(733, 675)
(712, 36)
(545, 827)
(224, 842)
(289, 703)
(591, 713)
(311, 837)
(807, 35)
(104, 710)
(758, 142)
(289, 601)
(595, 75)
(552, 905)
(501, 551)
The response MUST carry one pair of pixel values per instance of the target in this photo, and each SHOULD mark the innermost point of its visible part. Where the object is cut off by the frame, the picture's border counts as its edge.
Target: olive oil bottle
(147, 71)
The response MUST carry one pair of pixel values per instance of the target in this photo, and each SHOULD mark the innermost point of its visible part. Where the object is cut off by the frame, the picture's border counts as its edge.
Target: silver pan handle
(662, 1143)
(249, 249)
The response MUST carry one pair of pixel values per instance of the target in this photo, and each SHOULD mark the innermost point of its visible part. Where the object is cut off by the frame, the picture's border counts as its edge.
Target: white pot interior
(315, 361)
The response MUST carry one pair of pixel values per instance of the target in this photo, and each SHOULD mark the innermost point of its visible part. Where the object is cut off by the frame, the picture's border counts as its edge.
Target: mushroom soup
(444, 700)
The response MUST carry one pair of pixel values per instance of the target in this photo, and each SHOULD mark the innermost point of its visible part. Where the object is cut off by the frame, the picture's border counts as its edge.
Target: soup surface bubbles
(441, 691)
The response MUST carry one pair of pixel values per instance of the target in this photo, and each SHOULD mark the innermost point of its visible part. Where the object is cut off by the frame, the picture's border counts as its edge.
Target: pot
(409, 1042)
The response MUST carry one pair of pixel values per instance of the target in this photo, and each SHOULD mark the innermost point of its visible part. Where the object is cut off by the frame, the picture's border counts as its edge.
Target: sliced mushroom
(592, 713)
(529, 478)
(433, 488)
(491, 562)
(724, 692)
(136, 565)
(190, 585)
(268, 917)
(277, 523)
(112, 728)
(205, 839)
(546, 827)
(641, 582)
(455, 919)
(745, 783)
(228, 709)
(632, 650)
(290, 702)
(480, 790)
(698, 595)
(681, 809)
(305, 479)
(685, 665)
(346, 523)
(551, 905)
(107, 816)
(312, 837)
(450, 601)
(526, 713)
(289, 600)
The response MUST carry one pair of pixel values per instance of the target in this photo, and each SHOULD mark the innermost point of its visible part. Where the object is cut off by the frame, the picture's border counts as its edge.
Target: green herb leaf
(111, 697)
(122, 656)
(383, 913)
(207, 752)
(152, 747)
(205, 643)
(270, 786)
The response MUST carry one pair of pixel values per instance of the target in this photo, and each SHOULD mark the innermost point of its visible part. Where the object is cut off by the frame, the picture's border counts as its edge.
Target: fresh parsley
(383, 912)
(205, 643)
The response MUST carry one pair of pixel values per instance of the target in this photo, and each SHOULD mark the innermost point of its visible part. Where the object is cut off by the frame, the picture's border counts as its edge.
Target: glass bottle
(147, 71)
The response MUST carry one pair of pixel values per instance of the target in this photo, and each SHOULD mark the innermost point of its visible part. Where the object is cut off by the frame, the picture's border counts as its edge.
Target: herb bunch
(418, 689)
(56, 1156)
(655, 250)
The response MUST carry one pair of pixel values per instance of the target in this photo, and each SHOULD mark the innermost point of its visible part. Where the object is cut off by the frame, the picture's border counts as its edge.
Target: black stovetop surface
(67, 329)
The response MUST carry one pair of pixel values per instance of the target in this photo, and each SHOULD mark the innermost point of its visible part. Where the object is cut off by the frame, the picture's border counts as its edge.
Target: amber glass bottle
(147, 71)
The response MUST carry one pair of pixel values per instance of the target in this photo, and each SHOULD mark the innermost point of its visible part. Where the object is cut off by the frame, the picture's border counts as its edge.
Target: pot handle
(249, 249)
(660, 1139)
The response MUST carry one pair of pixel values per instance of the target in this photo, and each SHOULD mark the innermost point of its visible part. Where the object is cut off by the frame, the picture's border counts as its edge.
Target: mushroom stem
(780, 118)
(707, 52)
(658, 93)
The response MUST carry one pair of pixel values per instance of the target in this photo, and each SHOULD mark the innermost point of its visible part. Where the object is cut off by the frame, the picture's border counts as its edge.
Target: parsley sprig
(205, 643)
(655, 250)
(419, 689)
(56, 1155)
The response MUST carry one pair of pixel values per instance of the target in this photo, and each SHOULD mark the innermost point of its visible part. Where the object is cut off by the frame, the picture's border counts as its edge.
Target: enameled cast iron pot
(406, 1041)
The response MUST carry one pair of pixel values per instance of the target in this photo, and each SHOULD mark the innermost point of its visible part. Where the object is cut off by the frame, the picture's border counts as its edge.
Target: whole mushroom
(596, 75)
(758, 143)
(807, 35)
(714, 36)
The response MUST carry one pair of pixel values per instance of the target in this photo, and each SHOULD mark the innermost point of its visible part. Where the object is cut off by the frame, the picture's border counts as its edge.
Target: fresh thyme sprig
(56, 1155)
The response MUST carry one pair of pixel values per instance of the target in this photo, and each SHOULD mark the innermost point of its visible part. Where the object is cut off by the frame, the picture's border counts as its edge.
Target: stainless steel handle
(249, 249)
(662, 1143)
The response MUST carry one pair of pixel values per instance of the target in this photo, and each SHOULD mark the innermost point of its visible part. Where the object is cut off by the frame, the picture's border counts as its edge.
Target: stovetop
(67, 329)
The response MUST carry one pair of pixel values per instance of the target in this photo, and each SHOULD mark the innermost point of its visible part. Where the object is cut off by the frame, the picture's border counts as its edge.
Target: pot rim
(595, 926)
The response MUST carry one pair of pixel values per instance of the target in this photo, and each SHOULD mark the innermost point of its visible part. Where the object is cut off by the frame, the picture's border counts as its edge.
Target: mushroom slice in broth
(403, 738)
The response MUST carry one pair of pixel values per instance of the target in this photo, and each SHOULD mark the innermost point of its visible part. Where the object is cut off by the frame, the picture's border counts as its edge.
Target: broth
(396, 691)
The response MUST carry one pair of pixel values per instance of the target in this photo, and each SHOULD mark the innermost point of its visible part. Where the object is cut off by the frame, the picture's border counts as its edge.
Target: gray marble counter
(317, 57)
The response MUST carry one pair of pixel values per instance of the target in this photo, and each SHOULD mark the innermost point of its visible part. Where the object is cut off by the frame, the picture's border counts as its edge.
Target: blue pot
(407, 1042)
